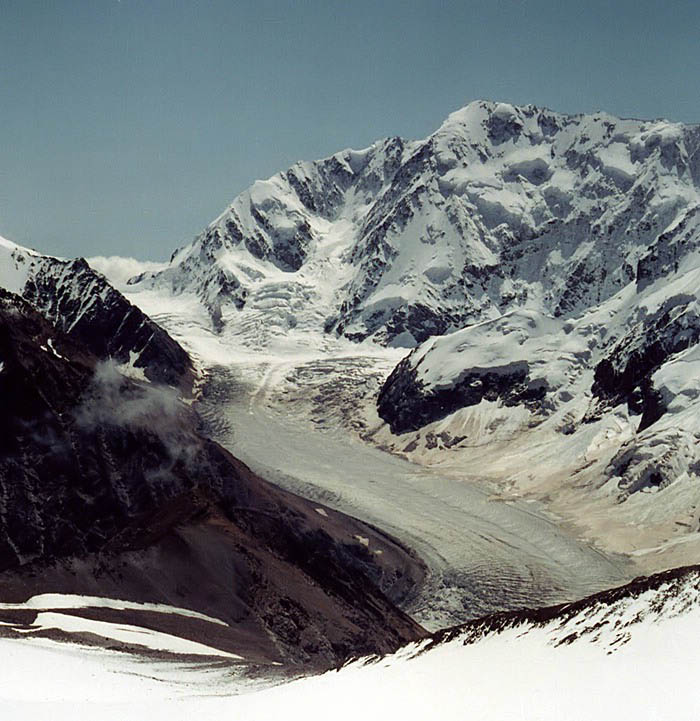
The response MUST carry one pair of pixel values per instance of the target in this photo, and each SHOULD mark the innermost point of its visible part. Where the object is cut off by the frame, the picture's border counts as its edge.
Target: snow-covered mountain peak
(485, 120)
(13, 265)
(548, 262)
(504, 128)
(8, 245)
(502, 207)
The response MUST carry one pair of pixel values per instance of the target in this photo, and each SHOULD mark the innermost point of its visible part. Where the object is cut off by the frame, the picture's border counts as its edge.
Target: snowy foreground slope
(626, 654)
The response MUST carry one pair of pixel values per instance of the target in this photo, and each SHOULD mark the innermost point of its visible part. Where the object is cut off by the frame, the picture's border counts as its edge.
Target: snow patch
(125, 633)
(53, 350)
(53, 601)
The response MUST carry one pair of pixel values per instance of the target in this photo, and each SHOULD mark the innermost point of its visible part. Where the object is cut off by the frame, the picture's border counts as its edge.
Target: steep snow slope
(624, 655)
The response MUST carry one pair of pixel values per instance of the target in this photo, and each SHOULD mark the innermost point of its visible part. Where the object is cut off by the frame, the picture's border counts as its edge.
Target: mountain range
(510, 304)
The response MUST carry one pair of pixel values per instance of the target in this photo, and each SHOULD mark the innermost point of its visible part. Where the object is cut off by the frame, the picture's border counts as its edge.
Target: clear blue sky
(126, 126)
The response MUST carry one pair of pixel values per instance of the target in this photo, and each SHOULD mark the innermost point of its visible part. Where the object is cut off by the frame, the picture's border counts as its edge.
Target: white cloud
(118, 270)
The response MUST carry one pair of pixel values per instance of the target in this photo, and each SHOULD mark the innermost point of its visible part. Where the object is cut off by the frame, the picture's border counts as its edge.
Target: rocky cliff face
(107, 487)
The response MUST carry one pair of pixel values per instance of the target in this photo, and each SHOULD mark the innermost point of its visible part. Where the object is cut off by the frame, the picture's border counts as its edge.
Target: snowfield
(621, 658)
(55, 601)
(56, 612)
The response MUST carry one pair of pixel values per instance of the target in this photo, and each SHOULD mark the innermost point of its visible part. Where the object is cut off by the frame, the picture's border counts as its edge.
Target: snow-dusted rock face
(496, 360)
(82, 303)
(502, 207)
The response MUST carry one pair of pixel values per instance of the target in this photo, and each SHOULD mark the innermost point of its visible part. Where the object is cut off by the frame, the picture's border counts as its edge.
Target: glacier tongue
(545, 269)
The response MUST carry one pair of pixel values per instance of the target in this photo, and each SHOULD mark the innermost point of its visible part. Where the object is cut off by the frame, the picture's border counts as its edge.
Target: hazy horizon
(128, 126)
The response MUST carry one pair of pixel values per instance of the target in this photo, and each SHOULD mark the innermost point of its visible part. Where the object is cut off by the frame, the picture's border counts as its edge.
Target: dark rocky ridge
(81, 303)
(406, 405)
(624, 375)
(106, 488)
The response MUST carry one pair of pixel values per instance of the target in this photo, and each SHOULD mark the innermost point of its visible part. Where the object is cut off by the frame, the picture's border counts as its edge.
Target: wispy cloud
(118, 269)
